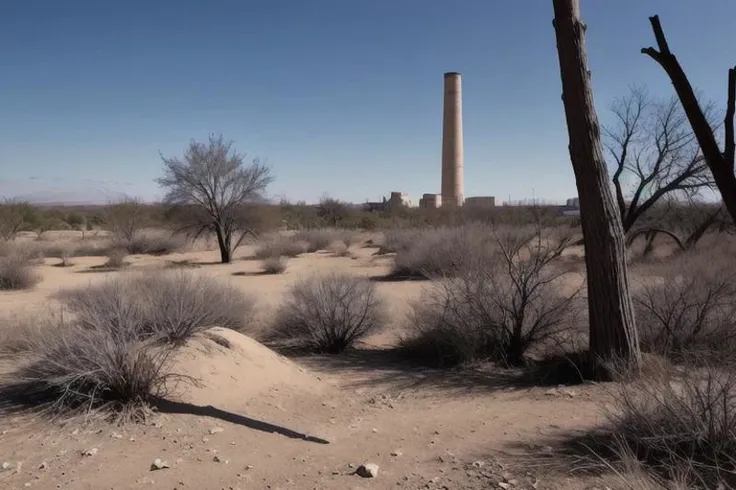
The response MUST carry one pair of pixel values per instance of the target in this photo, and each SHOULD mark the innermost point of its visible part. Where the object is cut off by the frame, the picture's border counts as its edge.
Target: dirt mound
(232, 367)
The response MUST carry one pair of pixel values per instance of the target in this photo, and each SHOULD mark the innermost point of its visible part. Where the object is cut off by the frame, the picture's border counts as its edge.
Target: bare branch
(720, 164)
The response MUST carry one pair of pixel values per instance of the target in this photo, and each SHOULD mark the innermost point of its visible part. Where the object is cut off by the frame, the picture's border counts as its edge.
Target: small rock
(27, 484)
(159, 464)
(43, 465)
(367, 470)
(396, 453)
(503, 485)
(5, 466)
(374, 430)
(90, 452)
(116, 435)
(216, 430)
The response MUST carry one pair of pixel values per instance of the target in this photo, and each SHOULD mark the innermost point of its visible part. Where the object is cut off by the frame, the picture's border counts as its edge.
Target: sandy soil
(260, 421)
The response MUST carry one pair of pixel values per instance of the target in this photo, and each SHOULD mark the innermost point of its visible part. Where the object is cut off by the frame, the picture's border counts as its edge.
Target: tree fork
(613, 332)
(721, 164)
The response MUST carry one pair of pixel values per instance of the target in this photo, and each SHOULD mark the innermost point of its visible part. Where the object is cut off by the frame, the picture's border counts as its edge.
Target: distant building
(573, 202)
(397, 200)
(430, 201)
(480, 202)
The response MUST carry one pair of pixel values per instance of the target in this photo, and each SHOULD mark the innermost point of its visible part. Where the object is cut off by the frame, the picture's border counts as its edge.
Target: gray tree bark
(613, 332)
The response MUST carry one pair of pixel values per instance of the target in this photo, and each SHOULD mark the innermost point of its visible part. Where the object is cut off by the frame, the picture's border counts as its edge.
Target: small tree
(125, 218)
(14, 216)
(332, 211)
(652, 143)
(212, 182)
(612, 329)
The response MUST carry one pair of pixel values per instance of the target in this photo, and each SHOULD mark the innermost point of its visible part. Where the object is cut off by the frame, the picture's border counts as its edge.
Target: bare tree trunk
(222, 243)
(612, 328)
(721, 164)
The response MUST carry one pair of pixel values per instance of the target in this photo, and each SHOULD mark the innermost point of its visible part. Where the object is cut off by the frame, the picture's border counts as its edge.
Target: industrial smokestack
(452, 142)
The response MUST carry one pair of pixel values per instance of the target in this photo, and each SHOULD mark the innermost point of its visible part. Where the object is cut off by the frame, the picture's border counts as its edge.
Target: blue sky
(340, 96)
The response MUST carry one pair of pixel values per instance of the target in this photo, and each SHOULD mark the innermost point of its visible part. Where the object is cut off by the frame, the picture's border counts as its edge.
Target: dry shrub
(317, 239)
(339, 249)
(170, 307)
(442, 252)
(398, 240)
(17, 273)
(274, 265)
(149, 242)
(497, 308)
(328, 314)
(69, 370)
(679, 425)
(116, 258)
(689, 310)
(280, 247)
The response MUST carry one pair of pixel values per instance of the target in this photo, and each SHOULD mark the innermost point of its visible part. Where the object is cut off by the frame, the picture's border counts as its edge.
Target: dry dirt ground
(261, 421)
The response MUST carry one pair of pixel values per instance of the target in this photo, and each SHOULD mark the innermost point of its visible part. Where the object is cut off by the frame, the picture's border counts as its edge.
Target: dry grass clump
(398, 240)
(150, 243)
(442, 252)
(280, 247)
(677, 426)
(171, 306)
(70, 370)
(116, 258)
(497, 308)
(109, 354)
(17, 272)
(688, 307)
(317, 239)
(274, 265)
(328, 314)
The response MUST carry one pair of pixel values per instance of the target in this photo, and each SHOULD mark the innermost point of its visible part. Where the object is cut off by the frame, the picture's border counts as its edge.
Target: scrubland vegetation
(503, 289)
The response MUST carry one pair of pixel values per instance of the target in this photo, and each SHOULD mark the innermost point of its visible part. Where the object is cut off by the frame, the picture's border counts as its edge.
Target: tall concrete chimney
(452, 143)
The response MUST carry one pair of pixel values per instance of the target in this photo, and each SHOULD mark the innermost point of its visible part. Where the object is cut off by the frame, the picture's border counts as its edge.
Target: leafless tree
(125, 218)
(13, 217)
(652, 144)
(212, 182)
(332, 210)
(612, 328)
(721, 163)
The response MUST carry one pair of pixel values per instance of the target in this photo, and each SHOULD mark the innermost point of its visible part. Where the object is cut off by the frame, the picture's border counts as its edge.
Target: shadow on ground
(381, 367)
(173, 407)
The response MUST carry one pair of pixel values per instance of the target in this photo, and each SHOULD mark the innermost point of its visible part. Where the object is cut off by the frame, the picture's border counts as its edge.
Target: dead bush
(274, 265)
(681, 425)
(280, 247)
(116, 258)
(398, 240)
(169, 307)
(328, 314)
(68, 370)
(497, 308)
(317, 239)
(150, 243)
(17, 273)
(443, 252)
(688, 310)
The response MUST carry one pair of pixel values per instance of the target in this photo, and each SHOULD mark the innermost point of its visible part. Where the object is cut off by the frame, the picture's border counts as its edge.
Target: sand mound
(232, 367)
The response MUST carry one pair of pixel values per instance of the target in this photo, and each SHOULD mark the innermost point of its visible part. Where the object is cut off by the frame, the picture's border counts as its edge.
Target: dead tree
(612, 328)
(652, 143)
(216, 188)
(721, 164)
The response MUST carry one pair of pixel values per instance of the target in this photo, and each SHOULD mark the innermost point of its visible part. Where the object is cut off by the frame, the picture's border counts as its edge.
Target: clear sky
(340, 96)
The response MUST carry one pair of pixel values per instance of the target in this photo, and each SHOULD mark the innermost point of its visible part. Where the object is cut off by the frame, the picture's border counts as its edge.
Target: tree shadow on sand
(174, 407)
(367, 368)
